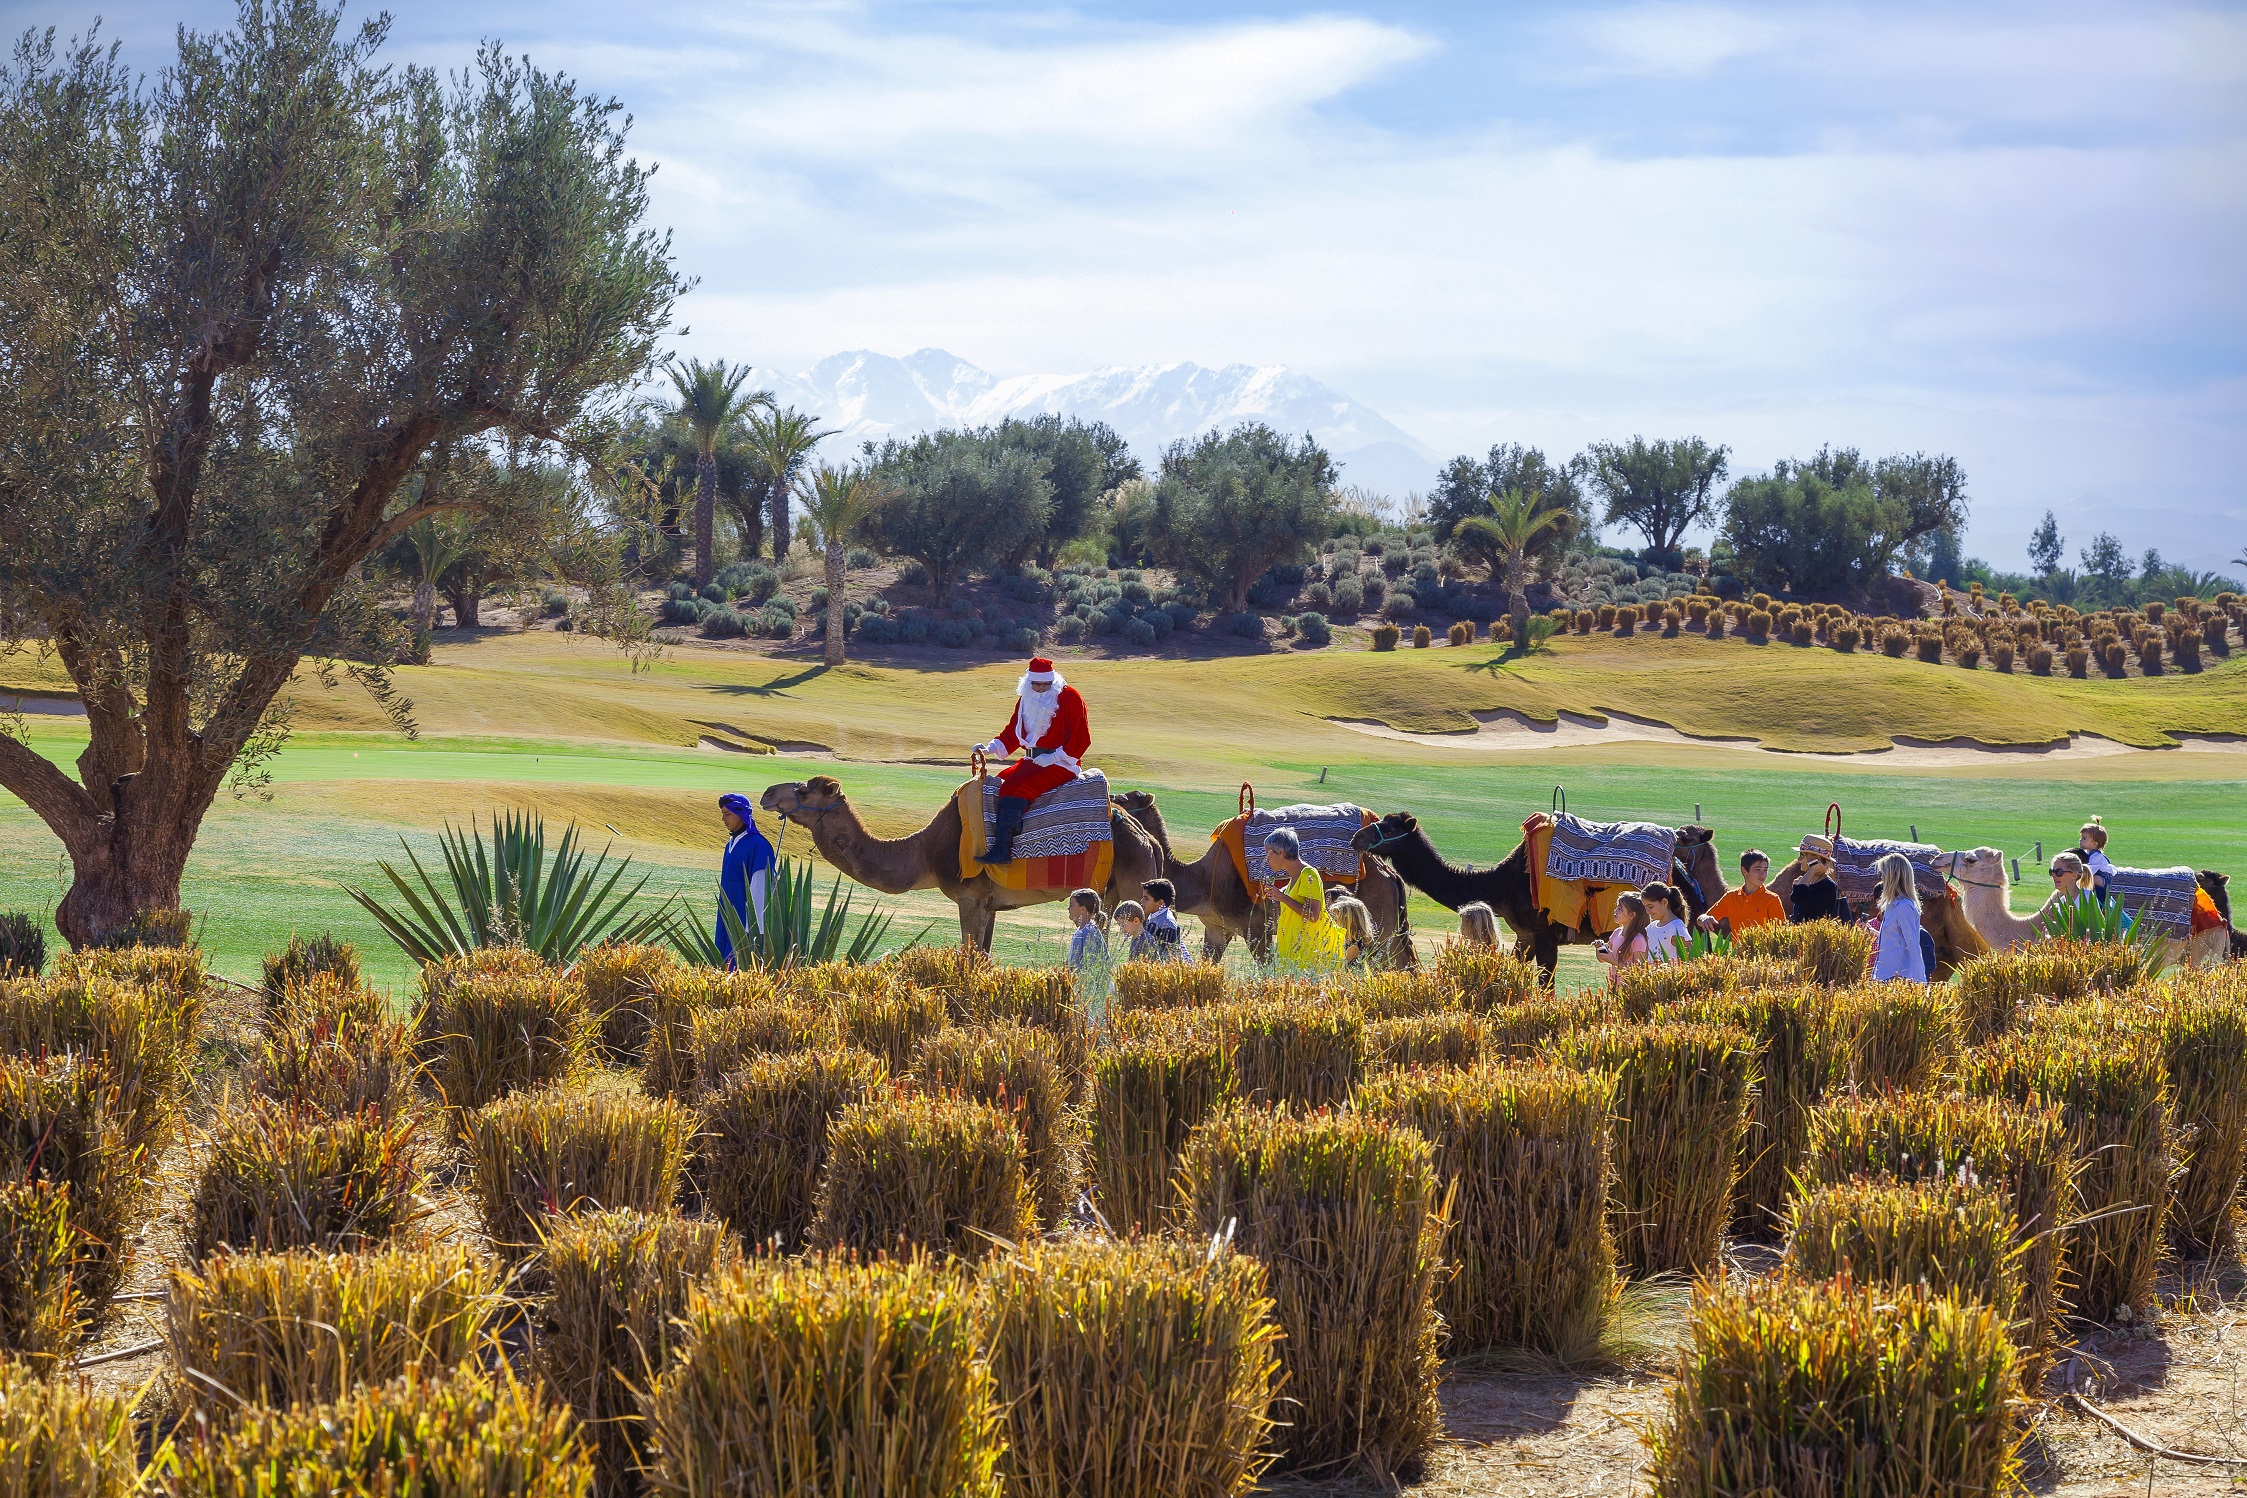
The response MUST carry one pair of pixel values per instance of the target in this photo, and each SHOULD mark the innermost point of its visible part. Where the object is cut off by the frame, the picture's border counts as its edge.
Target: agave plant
(796, 928)
(1708, 944)
(2086, 920)
(509, 891)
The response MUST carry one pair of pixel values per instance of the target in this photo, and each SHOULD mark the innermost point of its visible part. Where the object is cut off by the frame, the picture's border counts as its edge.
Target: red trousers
(1025, 781)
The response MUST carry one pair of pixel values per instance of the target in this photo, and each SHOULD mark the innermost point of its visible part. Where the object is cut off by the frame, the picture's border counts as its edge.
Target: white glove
(993, 749)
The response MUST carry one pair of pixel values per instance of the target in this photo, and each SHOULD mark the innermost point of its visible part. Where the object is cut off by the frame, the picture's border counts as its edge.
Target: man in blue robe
(748, 866)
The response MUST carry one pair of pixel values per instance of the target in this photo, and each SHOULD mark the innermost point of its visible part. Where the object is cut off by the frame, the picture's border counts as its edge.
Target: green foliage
(965, 502)
(1465, 487)
(1660, 489)
(2109, 924)
(797, 928)
(1228, 506)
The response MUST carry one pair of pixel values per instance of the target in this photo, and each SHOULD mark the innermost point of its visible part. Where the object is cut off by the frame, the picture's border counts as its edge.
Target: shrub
(485, 1036)
(534, 1155)
(676, 999)
(307, 1328)
(1400, 605)
(1167, 985)
(2184, 645)
(829, 1377)
(617, 979)
(1303, 1052)
(1421, 638)
(1484, 978)
(904, 1173)
(41, 1320)
(1313, 630)
(1418, 1041)
(1043, 997)
(2040, 660)
(891, 1021)
(1385, 636)
(1461, 633)
(2079, 661)
(1520, 1031)
(302, 958)
(763, 1142)
(1929, 1137)
(1929, 648)
(1248, 624)
(620, 1282)
(1827, 952)
(1680, 1119)
(153, 929)
(142, 1036)
(1131, 1368)
(61, 1127)
(467, 1432)
(62, 1438)
(2203, 1031)
(1831, 1388)
(277, 1177)
(334, 1051)
(2149, 654)
(952, 634)
(1017, 1070)
(1903, 1037)
(1697, 611)
(1640, 991)
(1525, 1151)
(1847, 638)
(1344, 1211)
(1993, 989)
(1968, 655)
(1149, 1093)
(23, 946)
(725, 1039)
(1801, 1052)
(1958, 1238)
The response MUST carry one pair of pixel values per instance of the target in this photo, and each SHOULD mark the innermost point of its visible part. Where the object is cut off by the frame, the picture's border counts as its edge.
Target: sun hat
(1814, 843)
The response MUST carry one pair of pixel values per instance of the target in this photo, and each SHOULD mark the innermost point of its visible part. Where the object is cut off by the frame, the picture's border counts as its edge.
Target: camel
(1506, 887)
(1956, 939)
(1987, 892)
(1211, 888)
(930, 858)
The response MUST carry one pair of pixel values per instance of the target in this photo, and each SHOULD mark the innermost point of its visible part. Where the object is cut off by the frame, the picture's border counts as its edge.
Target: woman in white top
(1666, 937)
(1898, 954)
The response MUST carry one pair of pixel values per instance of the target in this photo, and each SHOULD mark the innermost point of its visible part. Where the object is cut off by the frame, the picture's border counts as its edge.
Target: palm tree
(840, 501)
(432, 547)
(709, 397)
(782, 441)
(1506, 539)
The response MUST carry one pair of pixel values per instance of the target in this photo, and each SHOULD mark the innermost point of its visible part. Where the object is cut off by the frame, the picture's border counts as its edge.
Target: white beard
(1033, 711)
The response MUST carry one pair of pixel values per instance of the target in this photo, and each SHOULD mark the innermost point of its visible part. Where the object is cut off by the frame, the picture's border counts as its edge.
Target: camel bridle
(1382, 839)
(1953, 873)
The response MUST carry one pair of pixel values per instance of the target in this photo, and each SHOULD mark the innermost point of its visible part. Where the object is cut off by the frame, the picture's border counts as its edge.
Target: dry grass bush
(889, 1019)
(1415, 1042)
(608, 1326)
(1802, 1052)
(1461, 633)
(2203, 1029)
(948, 971)
(722, 1041)
(1393, 995)
(618, 978)
(40, 1317)
(1149, 1094)
(1520, 1031)
(1385, 636)
(1993, 990)
(1481, 979)
(1838, 1389)
(61, 1128)
(306, 1328)
(829, 1377)
(178, 972)
(484, 1036)
(536, 1155)
(1045, 997)
(1345, 1212)
(1958, 1238)
(1016, 1069)
(2112, 1087)
(1167, 985)
(1305, 1053)
(436, 978)
(942, 1174)
(463, 1433)
(142, 1037)
(1422, 638)
(1933, 1138)
(276, 1177)
(1640, 991)
(1128, 1369)
(763, 1144)
(1680, 1121)
(1829, 952)
(62, 1438)
(335, 1050)
(678, 998)
(1903, 1037)
(322, 956)
(1524, 1150)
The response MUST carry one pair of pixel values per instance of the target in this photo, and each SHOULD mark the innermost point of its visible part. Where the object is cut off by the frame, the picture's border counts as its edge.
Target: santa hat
(1041, 669)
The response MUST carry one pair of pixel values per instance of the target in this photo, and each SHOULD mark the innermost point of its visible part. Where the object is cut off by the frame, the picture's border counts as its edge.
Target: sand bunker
(1505, 731)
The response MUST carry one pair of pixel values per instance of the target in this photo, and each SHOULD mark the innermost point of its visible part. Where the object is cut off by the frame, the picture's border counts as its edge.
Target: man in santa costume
(1050, 728)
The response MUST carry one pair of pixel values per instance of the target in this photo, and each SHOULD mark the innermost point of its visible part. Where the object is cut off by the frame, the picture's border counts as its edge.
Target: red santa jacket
(1066, 738)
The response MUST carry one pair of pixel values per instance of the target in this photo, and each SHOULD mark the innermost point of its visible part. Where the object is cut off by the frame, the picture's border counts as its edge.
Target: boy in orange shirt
(1751, 904)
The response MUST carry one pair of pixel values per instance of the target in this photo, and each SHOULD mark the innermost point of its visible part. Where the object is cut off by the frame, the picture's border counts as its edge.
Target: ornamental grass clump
(537, 1155)
(1167, 985)
(891, 1021)
(1017, 1070)
(1149, 1094)
(177, 971)
(1346, 1214)
(678, 998)
(62, 1438)
(1394, 995)
(276, 1177)
(763, 1140)
(41, 1321)
(334, 1050)
(1295, 1051)
(485, 1036)
(1903, 1036)
(1134, 1368)
(2203, 1031)
(1801, 1052)
(1481, 979)
(829, 1376)
(721, 1041)
(1833, 1388)
(61, 1128)
(1416, 1042)
(951, 972)
(1642, 990)
(1994, 990)
(617, 979)
(1831, 953)
(1524, 1152)
(2112, 1087)
(306, 1328)
(141, 1036)
(303, 958)
(1520, 1031)
(607, 1329)
(1934, 1138)
(464, 1432)
(943, 1174)
(1045, 997)
(1958, 1238)
(1680, 1121)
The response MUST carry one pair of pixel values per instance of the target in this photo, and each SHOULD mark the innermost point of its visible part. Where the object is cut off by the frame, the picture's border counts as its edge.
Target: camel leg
(1546, 950)
(976, 922)
(1215, 939)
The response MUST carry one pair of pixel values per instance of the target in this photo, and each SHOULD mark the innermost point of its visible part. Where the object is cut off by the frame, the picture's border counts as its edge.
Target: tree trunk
(838, 622)
(119, 877)
(780, 520)
(467, 599)
(705, 519)
(753, 529)
(425, 607)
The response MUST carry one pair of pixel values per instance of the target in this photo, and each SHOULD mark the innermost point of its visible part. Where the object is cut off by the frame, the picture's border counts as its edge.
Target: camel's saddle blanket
(1324, 833)
(1856, 870)
(1065, 841)
(1632, 853)
(2162, 896)
(1578, 904)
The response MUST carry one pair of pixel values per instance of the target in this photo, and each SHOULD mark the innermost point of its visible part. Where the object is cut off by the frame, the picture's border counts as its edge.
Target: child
(1899, 954)
(1666, 938)
(1627, 947)
(1750, 905)
(1308, 940)
(2092, 850)
(1356, 921)
(1161, 924)
(1088, 948)
(1478, 925)
(1131, 922)
(1815, 896)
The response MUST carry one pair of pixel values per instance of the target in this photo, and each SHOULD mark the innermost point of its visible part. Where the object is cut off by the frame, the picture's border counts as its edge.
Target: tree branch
(61, 802)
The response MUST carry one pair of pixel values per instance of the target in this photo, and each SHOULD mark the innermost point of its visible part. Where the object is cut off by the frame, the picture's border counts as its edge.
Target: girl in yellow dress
(1308, 940)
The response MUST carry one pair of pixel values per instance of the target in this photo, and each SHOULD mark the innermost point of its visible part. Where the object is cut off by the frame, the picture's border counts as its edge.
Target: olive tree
(244, 306)
(1228, 506)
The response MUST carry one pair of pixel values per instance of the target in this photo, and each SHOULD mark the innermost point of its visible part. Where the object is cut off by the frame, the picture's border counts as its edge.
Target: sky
(2013, 233)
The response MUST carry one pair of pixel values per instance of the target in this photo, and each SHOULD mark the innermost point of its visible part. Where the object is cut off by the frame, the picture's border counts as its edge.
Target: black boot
(1010, 814)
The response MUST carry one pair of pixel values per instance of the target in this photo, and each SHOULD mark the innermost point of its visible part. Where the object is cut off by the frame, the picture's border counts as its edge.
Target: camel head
(1393, 828)
(1981, 868)
(2215, 884)
(800, 801)
(1696, 854)
(1138, 803)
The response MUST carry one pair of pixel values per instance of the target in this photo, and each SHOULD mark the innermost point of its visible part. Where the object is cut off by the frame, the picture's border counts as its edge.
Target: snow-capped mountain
(868, 396)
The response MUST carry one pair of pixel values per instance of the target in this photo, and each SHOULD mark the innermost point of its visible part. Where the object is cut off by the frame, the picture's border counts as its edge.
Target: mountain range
(868, 396)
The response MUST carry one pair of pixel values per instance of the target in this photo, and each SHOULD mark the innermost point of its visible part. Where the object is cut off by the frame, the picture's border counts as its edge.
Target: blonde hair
(1130, 910)
(1090, 900)
(1478, 924)
(1897, 881)
(2094, 832)
(1351, 915)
